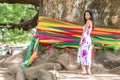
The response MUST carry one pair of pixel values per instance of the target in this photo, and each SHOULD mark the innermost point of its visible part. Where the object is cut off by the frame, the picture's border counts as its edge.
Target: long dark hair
(91, 18)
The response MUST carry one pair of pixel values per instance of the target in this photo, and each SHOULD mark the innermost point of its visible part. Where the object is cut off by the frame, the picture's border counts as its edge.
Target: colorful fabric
(85, 51)
(32, 52)
(62, 34)
(65, 34)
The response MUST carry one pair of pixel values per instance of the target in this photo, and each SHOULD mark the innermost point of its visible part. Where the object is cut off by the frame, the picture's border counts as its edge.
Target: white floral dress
(85, 51)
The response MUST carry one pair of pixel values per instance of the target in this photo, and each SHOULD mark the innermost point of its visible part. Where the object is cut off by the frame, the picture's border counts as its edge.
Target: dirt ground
(98, 71)
(68, 75)
(75, 75)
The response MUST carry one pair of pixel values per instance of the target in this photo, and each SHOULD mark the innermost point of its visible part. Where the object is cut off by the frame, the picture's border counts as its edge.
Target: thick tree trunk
(41, 8)
(33, 2)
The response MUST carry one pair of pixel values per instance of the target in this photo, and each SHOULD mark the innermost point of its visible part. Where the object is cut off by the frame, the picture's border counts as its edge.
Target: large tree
(106, 12)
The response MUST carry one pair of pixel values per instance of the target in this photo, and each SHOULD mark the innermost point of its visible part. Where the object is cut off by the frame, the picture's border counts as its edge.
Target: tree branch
(25, 25)
(33, 2)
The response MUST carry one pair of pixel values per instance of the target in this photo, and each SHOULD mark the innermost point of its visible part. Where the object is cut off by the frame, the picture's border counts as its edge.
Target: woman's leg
(83, 68)
(89, 69)
(89, 61)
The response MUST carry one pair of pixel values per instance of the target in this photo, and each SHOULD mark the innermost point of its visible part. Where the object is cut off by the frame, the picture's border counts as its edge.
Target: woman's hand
(80, 44)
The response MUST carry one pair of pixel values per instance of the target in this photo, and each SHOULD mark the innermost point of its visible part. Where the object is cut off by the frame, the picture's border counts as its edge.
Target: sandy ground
(70, 75)
(75, 75)
(98, 73)
(2, 73)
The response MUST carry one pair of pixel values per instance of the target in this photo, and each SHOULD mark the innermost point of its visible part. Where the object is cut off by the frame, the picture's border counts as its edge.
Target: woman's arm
(88, 23)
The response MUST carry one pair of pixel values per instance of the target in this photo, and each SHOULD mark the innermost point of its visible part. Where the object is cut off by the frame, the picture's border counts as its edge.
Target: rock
(67, 61)
(44, 55)
(20, 75)
(13, 68)
(44, 75)
(107, 58)
(111, 60)
(110, 56)
(9, 77)
(115, 70)
(31, 72)
(98, 68)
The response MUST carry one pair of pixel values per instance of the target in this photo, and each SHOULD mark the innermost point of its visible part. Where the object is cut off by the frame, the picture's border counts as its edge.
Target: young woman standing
(85, 49)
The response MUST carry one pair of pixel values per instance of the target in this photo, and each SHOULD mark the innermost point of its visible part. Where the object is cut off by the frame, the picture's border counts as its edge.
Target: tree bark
(41, 8)
(33, 2)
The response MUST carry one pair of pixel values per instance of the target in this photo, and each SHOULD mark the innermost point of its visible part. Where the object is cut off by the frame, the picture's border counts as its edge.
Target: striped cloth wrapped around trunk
(62, 34)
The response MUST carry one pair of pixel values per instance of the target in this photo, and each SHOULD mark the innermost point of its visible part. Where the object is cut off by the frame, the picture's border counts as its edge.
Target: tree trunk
(41, 8)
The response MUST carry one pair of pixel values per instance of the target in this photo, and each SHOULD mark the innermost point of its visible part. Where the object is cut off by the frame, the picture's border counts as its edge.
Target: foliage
(16, 36)
(14, 13)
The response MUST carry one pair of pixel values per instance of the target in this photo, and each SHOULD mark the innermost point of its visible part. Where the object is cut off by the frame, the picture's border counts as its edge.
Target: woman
(85, 49)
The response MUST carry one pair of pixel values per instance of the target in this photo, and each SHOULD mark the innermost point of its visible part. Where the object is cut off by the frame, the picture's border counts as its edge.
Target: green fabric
(28, 53)
(115, 49)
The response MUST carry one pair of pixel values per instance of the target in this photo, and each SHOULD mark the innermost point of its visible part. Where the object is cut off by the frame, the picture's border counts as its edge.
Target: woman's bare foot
(83, 69)
(83, 72)
(88, 72)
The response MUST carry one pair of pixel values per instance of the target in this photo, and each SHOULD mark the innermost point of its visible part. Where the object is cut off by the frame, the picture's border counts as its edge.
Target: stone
(44, 75)
(31, 72)
(115, 70)
(68, 61)
(20, 74)
(13, 68)
(98, 68)
(108, 59)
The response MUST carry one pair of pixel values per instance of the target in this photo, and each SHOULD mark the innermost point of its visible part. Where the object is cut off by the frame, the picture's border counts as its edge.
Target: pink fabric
(53, 38)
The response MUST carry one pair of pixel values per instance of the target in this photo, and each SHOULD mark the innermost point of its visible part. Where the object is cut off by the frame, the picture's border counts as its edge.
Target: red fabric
(70, 51)
(51, 49)
(93, 53)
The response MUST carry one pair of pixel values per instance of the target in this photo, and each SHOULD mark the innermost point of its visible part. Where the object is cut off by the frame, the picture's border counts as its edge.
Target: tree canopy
(15, 14)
